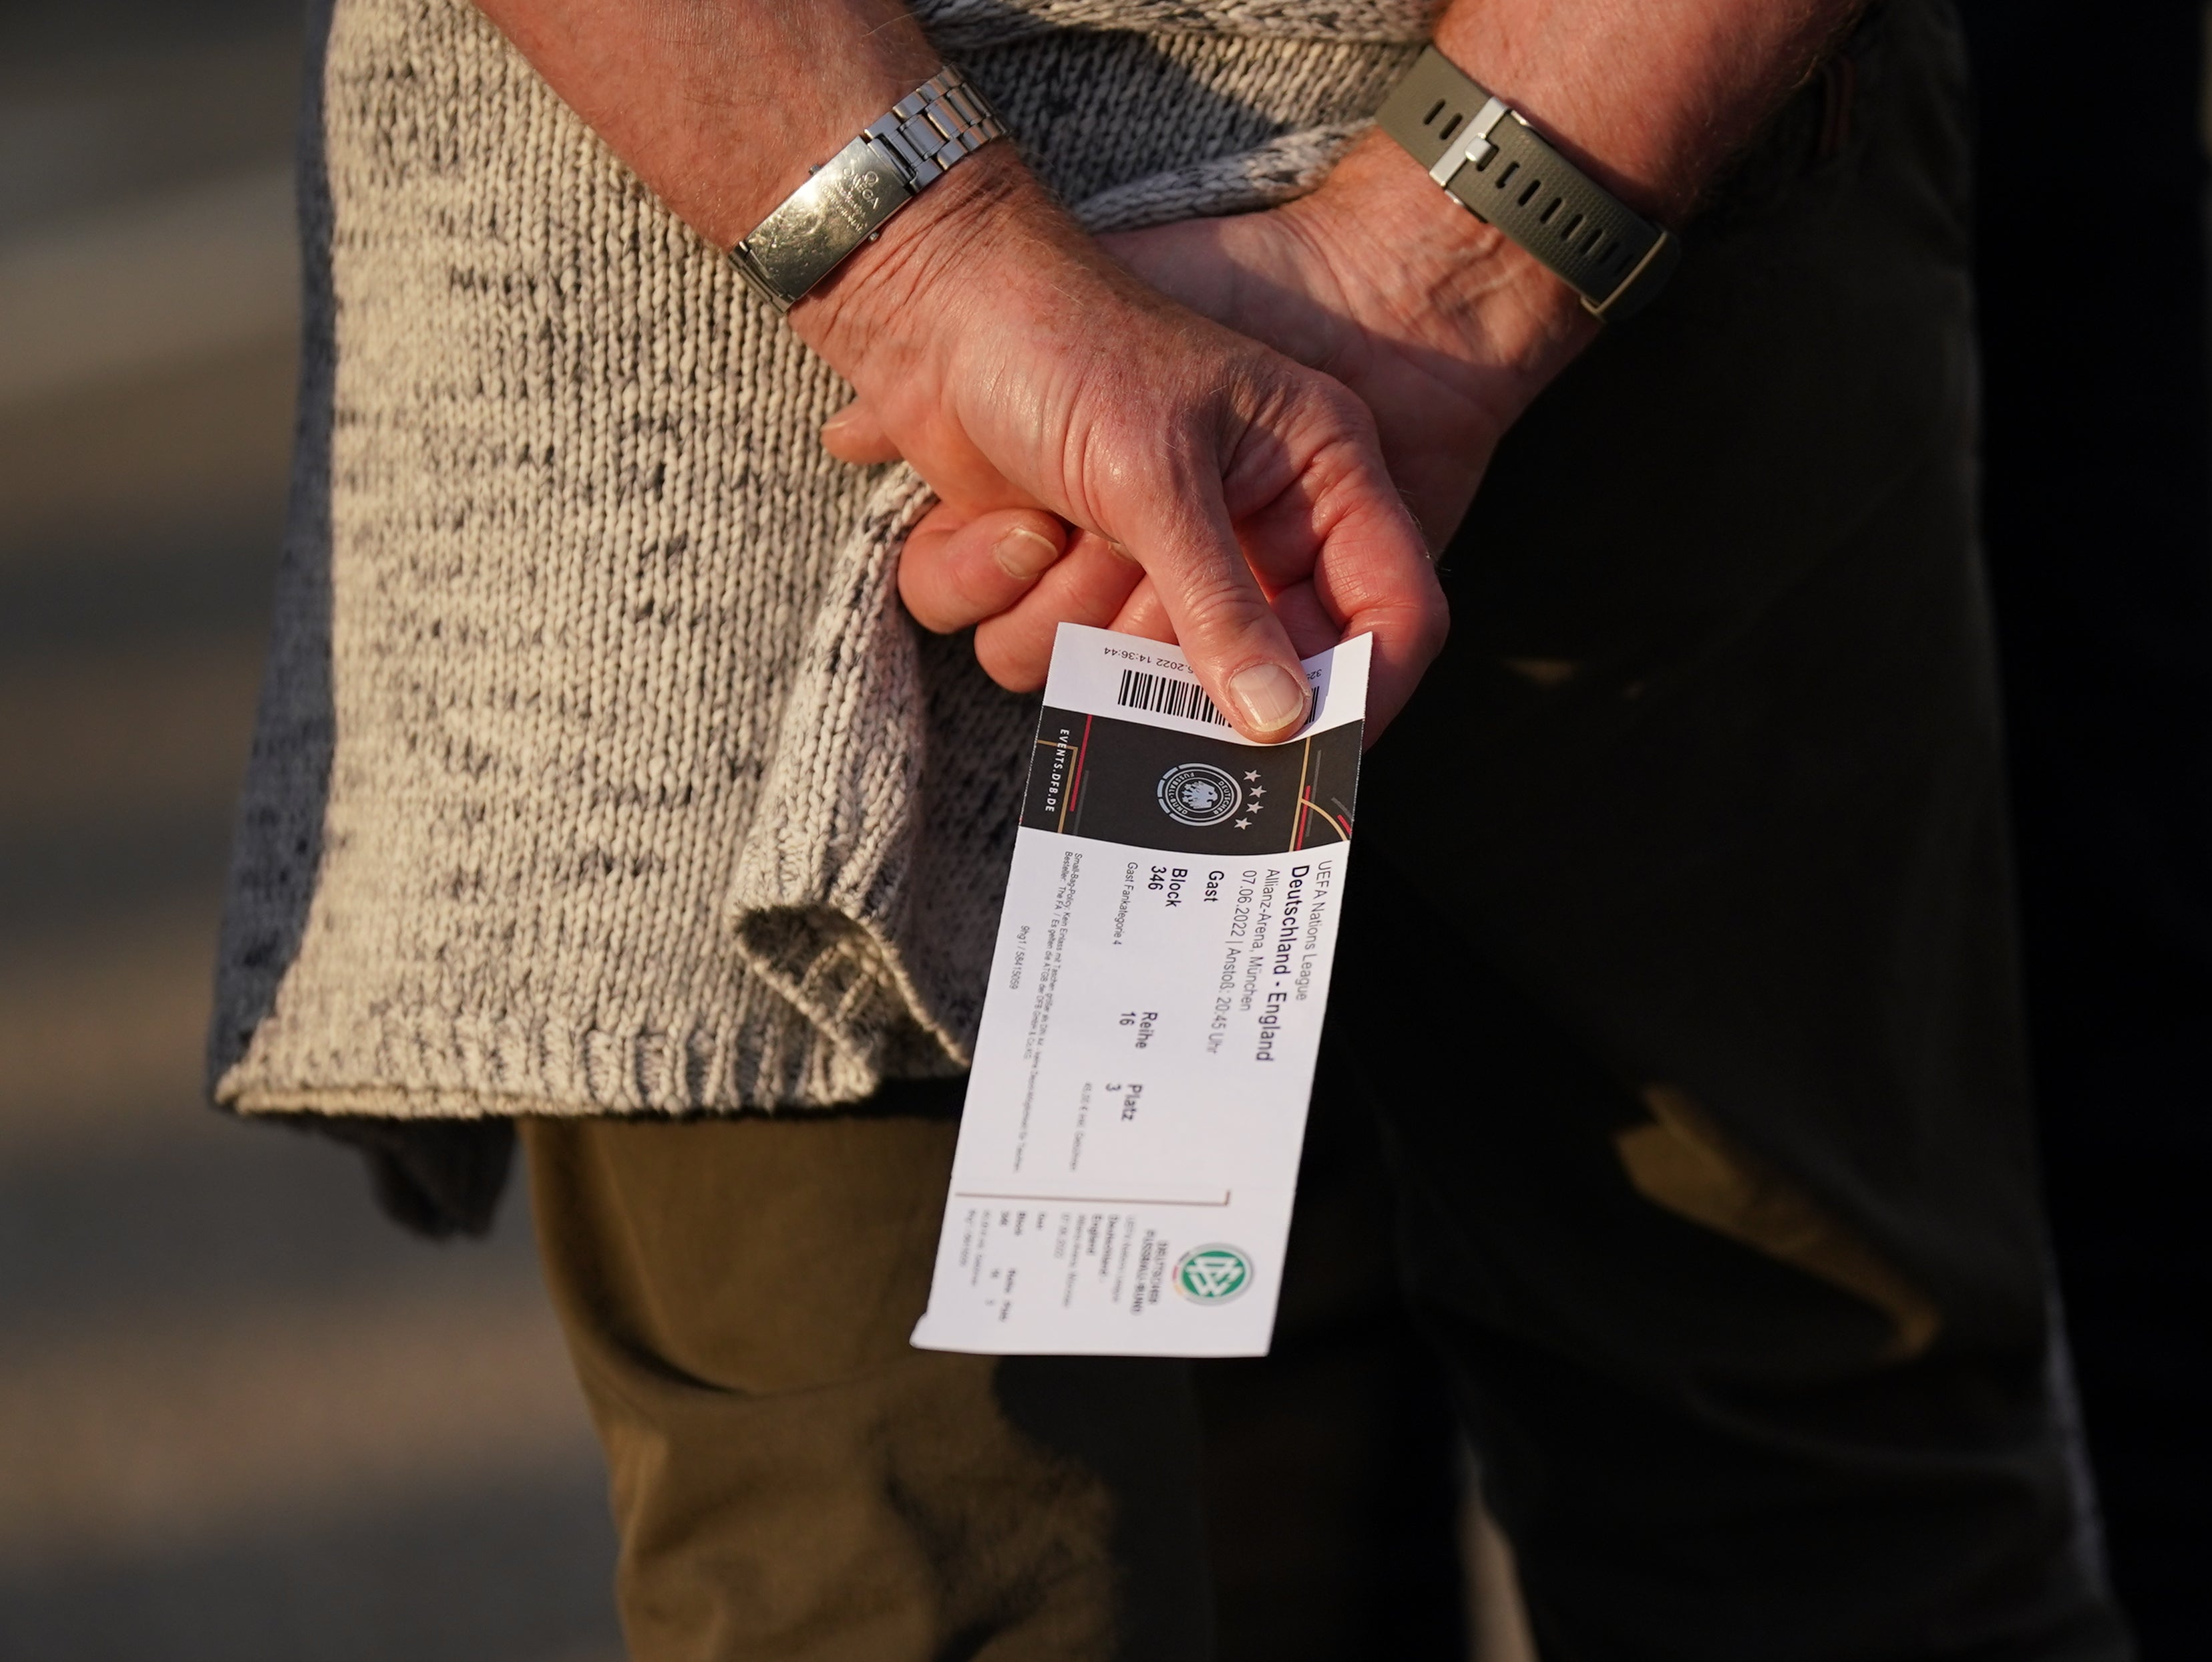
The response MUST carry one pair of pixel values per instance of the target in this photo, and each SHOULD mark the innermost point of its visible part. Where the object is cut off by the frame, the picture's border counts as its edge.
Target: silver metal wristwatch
(1493, 162)
(845, 202)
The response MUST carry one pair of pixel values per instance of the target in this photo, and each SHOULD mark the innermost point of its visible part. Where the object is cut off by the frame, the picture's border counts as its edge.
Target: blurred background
(241, 1416)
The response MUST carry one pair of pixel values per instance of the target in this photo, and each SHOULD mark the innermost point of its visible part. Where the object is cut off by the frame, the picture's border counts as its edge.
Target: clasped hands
(1231, 434)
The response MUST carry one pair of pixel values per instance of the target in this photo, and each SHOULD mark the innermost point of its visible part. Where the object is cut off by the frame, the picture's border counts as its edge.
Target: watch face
(824, 220)
(1155, 788)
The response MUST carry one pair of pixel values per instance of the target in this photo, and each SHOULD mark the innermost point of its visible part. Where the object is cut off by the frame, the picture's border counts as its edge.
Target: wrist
(882, 312)
(1654, 103)
(721, 109)
(1416, 268)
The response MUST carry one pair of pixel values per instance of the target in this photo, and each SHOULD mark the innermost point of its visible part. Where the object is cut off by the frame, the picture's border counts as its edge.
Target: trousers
(1672, 1135)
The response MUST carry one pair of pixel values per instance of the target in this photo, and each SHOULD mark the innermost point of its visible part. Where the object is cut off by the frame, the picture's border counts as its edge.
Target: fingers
(854, 435)
(1143, 614)
(1312, 630)
(956, 571)
(1375, 577)
(1089, 585)
(1311, 627)
(1341, 553)
(1237, 646)
(1248, 497)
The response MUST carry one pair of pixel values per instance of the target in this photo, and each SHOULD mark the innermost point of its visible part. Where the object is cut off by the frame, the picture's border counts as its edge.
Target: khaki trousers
(790, 1479)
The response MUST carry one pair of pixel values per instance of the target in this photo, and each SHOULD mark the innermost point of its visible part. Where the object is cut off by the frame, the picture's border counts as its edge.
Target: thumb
(1236, 645)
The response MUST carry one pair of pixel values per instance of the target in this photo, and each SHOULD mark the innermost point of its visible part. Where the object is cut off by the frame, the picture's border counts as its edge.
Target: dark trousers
(1673, 1123)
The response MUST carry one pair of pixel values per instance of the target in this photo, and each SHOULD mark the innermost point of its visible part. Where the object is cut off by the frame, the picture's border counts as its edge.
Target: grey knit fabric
(598, 769)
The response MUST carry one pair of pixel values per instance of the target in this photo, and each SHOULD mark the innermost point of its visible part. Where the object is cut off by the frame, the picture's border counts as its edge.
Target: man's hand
(1215, 489)
(1442, 328)
(1052, 402)
(1034, 384)
(1441, 325)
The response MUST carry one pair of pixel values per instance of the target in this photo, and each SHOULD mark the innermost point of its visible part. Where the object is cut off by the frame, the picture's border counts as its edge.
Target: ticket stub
(1129, 1149)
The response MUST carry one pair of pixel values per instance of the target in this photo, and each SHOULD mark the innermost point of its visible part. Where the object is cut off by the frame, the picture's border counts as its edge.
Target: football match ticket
(1129, 1147)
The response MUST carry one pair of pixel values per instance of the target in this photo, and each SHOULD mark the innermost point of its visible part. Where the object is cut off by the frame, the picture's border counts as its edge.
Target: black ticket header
(1154, 788)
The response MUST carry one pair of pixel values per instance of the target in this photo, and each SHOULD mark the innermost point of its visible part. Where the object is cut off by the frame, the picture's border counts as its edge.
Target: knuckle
(1215, 602)
(926, 602)
(934, 619)
(1435, 631)
(977, 592)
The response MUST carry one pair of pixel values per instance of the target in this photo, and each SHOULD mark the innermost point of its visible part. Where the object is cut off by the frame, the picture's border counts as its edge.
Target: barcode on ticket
(1163, 694)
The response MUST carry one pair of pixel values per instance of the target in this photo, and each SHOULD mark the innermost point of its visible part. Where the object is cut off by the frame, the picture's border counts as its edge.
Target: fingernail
(1023, 553)
(1272, 696)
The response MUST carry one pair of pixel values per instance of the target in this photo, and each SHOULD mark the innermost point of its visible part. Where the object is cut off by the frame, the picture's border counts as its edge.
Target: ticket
(1129, 1147)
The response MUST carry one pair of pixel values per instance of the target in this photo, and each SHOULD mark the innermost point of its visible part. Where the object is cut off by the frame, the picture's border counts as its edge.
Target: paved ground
(240, 1416)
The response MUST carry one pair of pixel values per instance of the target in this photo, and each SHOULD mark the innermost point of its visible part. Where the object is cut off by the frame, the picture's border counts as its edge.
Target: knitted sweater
(597, 768)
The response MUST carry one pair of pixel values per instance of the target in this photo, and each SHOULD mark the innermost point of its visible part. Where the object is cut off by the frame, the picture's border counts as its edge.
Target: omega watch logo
(1198, 794)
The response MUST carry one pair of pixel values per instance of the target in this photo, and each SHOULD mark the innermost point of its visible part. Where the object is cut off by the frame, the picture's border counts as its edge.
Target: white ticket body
(1130, 1145)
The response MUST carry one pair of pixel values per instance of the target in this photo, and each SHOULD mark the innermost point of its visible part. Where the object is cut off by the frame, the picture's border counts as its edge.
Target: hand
(1204, 487)
(1052, 400)
(1443, 329)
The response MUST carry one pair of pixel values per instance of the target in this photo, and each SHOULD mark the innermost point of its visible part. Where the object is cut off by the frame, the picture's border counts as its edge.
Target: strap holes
(1512, 168)
(1450, 127)
(1529, 195)
(1545, 218)
(1435, 110)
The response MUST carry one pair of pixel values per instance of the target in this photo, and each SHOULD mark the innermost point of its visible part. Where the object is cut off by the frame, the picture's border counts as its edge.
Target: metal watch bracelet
(1495, 165)
(846, 200)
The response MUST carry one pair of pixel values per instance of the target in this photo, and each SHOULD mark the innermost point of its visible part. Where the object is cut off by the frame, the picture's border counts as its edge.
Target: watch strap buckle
(1488, 159)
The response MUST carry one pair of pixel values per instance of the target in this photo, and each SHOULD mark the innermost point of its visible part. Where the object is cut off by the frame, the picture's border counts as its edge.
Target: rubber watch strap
(1495, 165)
(846, 200)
